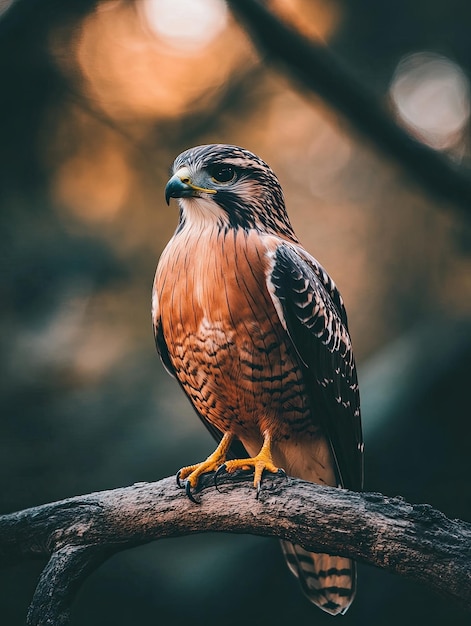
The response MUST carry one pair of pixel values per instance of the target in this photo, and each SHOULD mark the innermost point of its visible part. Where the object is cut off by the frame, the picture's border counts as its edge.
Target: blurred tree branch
(79, 533)
(317, 69)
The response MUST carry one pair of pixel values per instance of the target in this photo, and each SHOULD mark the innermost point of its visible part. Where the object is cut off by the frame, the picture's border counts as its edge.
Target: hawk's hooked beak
(180, 186)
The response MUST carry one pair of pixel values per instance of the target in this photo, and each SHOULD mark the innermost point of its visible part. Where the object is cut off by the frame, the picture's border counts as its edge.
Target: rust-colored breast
(225, 341)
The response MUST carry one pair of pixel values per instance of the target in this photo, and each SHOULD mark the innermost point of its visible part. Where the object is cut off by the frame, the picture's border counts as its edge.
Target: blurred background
(96, 100)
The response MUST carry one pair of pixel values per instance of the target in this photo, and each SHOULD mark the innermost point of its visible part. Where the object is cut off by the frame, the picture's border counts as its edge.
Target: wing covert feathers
(312, 312)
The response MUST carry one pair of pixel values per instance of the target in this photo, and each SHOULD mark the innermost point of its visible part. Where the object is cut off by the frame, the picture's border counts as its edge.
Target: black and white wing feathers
(312, 312)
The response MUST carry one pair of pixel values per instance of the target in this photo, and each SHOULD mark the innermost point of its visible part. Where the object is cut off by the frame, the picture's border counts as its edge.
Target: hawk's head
(230, 186)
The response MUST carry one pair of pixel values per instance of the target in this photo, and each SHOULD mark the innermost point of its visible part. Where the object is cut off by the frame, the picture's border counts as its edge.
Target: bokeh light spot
(431, 96)
(185, 24)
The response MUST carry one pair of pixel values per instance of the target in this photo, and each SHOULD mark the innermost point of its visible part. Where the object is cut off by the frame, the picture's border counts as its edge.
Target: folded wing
(312, 312)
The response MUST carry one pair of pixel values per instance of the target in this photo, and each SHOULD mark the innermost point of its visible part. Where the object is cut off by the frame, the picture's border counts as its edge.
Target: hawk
(255, 331)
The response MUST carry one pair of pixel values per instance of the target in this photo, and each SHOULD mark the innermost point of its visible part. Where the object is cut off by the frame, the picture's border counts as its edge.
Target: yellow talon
(217, 462)
(192, 473)
(263, 462)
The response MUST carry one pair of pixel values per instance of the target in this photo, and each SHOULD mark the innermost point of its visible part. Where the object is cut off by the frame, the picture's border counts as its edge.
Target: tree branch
(320, 71)
(79, 533)
(67, 568)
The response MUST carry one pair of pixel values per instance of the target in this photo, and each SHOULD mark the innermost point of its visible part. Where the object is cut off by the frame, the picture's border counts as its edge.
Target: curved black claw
(280, 472)
(177, 478)
(189, 494)
(259, 488)
(219, 471)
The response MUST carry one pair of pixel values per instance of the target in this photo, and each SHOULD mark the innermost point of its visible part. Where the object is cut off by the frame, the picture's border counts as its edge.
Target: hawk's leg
(263, 462)
(191, 473)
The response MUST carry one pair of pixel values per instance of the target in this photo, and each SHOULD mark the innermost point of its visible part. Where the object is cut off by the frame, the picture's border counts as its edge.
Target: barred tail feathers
(327, 581)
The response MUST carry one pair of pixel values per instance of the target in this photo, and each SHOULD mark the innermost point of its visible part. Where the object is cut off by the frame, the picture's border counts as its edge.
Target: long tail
(327, 581)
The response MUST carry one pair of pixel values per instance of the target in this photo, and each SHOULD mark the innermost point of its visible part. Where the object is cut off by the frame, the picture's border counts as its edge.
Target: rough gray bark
(79, 533)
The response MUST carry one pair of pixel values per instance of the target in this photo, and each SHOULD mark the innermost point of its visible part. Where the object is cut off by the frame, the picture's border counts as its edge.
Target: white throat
(202, 213)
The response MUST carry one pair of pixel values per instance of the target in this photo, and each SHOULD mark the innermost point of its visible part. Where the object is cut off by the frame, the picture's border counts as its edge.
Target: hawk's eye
(223, 173)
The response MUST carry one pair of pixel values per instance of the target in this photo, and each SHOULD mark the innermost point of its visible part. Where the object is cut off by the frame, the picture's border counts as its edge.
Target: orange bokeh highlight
(130, 72)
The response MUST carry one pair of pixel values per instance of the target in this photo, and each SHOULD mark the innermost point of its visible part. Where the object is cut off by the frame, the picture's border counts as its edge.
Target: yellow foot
(261, 463)
(191, 474)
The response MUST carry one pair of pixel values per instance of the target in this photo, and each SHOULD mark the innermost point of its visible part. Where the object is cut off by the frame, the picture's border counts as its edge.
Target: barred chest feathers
(229, 348)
